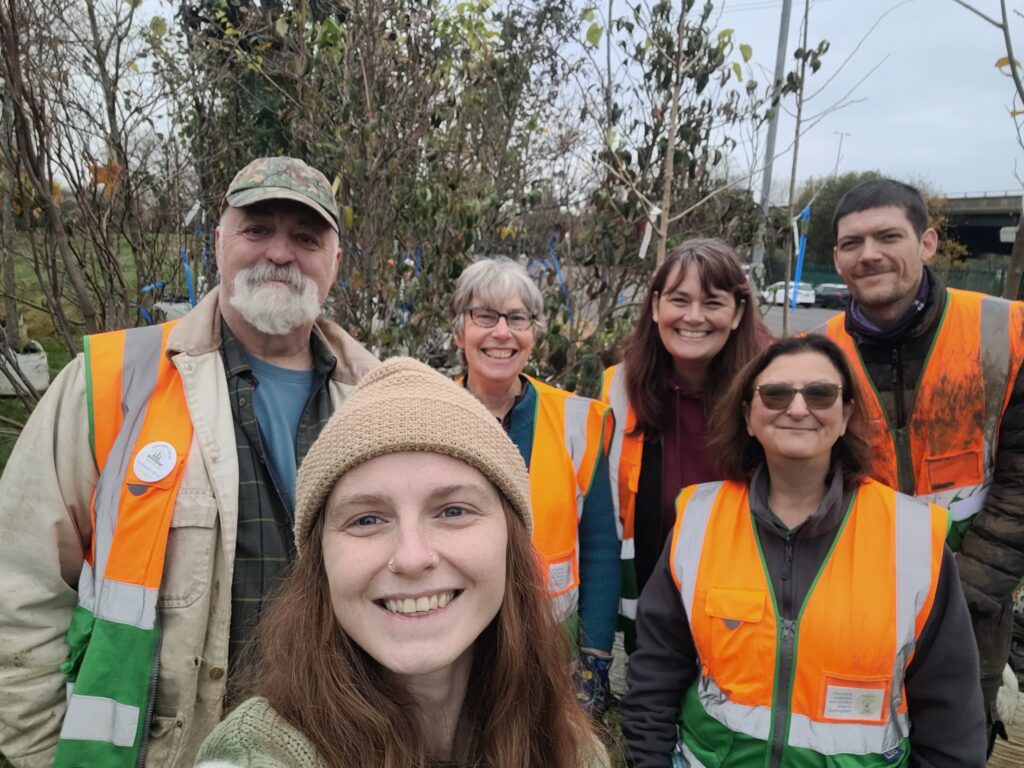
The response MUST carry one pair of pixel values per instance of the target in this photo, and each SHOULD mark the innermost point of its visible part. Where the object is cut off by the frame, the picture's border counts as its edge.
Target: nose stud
(434, 560)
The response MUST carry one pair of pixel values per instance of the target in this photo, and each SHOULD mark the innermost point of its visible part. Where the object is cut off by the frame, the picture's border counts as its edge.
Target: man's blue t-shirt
(280, 399)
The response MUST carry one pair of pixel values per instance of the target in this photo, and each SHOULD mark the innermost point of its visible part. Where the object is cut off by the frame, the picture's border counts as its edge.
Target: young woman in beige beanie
(414, 631)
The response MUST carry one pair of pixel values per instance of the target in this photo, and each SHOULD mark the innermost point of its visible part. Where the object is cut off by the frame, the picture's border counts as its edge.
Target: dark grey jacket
(943, 693)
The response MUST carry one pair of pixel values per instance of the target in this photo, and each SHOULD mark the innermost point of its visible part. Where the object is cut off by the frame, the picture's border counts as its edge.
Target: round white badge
(155, 461)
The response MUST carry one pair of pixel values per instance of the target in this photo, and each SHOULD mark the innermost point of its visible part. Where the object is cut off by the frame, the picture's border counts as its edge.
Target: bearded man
(147, 507)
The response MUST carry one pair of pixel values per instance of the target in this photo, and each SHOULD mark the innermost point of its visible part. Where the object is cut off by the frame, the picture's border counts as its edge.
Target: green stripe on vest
(716, 746)
(98, 666)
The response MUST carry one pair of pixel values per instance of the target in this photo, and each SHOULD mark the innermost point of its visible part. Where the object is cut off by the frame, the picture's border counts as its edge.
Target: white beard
(272, 307)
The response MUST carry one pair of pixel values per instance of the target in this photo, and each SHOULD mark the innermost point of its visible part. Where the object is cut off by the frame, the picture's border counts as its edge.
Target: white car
(774, 293)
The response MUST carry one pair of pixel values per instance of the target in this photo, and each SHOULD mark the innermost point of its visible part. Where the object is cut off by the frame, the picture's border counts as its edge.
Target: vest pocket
(740, 657)
(561, 573)
(953, 470)
(189, 561)
(855, 699)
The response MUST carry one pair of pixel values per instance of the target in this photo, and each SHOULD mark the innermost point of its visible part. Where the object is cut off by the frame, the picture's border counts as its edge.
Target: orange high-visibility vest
(946, 452)
(831, 679)
(570, 434)
(140, 434)
(624, 462)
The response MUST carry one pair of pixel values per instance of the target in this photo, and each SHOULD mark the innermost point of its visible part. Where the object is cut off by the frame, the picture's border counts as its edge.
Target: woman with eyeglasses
(564, 439)
(804, 614)
(697, 326)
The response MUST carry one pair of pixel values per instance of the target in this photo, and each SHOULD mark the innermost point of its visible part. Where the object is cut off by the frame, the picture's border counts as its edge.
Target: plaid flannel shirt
(266, 544)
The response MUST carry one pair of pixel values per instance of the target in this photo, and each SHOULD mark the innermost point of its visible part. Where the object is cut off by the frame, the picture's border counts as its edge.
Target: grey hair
(491, 282)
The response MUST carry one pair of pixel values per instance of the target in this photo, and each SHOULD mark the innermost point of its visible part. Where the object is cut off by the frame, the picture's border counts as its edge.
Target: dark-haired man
(940, 379)
(147, 508)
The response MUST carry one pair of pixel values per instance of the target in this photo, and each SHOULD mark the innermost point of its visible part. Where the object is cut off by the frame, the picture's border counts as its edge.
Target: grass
(12, 407)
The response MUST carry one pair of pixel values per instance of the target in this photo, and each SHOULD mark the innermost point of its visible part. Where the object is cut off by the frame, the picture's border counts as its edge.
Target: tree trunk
(31, 161)
(8, 233)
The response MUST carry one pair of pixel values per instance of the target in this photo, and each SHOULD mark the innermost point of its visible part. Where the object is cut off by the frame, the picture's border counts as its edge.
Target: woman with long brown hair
(697, 327)
(414, 631)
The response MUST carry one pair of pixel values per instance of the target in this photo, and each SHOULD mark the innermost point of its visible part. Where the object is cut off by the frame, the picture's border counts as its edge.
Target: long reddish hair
(649, 364)
(520, 709)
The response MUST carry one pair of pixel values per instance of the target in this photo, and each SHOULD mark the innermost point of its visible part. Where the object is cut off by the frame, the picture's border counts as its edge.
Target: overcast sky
(936, 109)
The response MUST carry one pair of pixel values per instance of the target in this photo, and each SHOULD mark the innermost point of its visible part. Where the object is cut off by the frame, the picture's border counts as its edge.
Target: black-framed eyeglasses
(486, 317)
(818, 395)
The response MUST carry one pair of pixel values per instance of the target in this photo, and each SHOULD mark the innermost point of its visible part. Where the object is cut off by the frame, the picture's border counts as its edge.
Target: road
(800, 320)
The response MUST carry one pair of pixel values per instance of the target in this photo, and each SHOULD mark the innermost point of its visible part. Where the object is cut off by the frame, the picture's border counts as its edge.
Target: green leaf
(281, 25)
(329, 32)
(725, 35)
(737, 70)
(348, 216)
(158, 26)
(1005, 62)
(746, 52)
(588, 14)
(594, 33)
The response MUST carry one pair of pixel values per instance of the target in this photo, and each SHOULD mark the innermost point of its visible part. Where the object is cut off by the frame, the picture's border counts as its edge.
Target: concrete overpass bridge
(983, 221)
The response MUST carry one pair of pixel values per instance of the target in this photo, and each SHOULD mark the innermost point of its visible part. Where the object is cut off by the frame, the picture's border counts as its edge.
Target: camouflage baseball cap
(284, 178)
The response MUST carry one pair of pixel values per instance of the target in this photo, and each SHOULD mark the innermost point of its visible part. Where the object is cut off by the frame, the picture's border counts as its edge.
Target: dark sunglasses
(818, 395)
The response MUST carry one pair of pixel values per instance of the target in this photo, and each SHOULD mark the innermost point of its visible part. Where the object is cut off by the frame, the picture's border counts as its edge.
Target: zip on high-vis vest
(946, 452)
(624, 467)
(140, 434)
(778, 692)
(569, 435)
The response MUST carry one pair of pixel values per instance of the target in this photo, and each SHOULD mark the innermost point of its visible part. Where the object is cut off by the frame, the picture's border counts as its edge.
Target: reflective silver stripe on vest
(565, 604)
(620, 408)
(577, 409)
(846, 738)
(87, 588)
(690, 542)
(127, 604)
(740, 718)
(995, 369)
(142, 350)
(627, 607)
(686, 759)
(962, 503)
(94, 718)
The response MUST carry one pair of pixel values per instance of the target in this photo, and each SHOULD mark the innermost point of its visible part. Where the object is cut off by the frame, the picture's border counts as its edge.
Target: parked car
(832, 295)
(774, 293)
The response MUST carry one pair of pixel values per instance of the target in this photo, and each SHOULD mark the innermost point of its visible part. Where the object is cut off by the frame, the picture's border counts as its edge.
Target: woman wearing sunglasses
(804, 615)
(564, 439)
(696, 328)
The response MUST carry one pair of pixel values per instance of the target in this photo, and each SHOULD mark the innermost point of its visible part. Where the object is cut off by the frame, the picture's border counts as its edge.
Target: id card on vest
(850, 701)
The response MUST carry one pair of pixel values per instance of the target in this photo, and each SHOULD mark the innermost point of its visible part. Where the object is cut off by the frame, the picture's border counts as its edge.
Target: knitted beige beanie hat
(404, 405)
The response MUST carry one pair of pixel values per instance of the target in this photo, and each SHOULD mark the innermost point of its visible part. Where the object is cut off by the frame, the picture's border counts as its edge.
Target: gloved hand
(592, 686)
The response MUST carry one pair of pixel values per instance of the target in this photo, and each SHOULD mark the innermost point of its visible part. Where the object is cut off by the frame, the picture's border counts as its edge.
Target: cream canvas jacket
(45, 494)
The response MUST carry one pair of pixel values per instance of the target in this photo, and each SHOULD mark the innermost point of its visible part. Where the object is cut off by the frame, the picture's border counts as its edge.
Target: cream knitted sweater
(255, 736)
